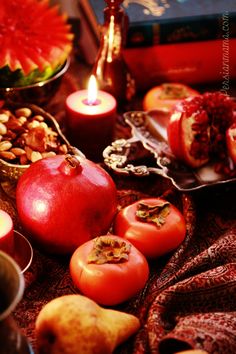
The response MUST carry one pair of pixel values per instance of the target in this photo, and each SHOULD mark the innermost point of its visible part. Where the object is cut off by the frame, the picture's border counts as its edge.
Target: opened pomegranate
(231, 141)
(197, 128)
(65, 201)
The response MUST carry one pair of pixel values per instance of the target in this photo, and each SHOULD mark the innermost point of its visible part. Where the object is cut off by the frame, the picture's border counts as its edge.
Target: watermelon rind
(16, 78)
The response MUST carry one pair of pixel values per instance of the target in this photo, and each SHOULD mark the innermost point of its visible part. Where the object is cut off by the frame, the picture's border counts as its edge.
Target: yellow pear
(74, 324)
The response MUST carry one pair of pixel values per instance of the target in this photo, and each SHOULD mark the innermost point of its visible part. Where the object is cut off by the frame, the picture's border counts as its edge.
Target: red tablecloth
(190, 298)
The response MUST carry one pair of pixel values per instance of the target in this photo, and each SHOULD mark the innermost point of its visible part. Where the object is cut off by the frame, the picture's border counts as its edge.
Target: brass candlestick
(110, 68)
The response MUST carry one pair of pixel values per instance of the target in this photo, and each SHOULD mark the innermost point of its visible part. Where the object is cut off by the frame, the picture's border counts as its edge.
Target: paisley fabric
(190, 298)
(190, 302)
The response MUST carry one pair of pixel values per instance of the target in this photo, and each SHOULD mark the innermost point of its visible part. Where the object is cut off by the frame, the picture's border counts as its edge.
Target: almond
(38, 117)
(5, 145)
(8, 155)
(17, 151)
(24, 111)
(3, 129)
(4, 117)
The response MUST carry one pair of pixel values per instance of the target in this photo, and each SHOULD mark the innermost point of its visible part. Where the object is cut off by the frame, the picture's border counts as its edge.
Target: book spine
(190, 63)
(88, 41)
(172, 31)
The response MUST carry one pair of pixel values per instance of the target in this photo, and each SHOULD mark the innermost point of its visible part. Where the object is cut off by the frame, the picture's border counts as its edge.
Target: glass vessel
(11, 291)
(110, 68)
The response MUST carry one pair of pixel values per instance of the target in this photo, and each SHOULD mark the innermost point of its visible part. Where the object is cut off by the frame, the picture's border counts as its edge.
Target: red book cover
(190, 63)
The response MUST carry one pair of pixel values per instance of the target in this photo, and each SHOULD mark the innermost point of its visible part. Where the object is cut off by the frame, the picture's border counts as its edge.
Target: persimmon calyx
(107, 250)
(153, 213)
(173, 91)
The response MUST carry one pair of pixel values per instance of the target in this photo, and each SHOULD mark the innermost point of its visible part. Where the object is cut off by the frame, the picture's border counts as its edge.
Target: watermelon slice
(35, 41)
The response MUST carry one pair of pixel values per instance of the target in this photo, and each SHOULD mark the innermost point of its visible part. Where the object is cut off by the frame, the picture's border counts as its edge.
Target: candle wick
(91, 102)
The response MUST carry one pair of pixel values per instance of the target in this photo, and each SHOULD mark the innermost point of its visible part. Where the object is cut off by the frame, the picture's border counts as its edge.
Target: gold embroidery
(151, 7)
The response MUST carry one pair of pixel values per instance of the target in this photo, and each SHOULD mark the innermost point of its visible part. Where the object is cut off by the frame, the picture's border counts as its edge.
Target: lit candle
(90, 119)
(6, 232)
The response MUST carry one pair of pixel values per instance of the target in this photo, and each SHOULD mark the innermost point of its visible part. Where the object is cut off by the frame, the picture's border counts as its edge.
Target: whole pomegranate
(64, 201)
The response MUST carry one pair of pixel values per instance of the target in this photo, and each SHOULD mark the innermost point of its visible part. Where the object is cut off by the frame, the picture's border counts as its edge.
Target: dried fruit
(27, 138)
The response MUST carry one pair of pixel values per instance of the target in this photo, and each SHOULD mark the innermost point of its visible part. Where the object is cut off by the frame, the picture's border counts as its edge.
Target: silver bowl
(39, 93)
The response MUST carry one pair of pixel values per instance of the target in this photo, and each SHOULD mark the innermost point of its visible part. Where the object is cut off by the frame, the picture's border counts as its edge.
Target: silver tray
(149, 131)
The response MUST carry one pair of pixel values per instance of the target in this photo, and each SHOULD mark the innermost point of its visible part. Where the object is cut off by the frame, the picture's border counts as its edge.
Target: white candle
(6, 232)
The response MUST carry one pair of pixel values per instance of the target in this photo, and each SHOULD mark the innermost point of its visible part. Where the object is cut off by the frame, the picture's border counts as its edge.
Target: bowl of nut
(27, 134)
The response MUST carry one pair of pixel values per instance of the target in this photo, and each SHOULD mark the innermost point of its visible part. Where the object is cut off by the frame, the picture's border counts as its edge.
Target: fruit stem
(72, 160)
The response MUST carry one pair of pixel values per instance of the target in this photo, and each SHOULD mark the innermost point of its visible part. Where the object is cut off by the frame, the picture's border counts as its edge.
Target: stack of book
(186, 41)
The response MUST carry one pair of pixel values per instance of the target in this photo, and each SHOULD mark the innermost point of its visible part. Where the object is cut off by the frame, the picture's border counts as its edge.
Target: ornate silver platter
(148, 130)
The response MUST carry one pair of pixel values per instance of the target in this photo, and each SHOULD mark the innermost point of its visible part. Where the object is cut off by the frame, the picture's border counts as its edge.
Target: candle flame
(92, 90)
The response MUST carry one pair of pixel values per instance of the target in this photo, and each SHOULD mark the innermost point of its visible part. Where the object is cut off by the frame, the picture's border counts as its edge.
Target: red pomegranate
(63, 202)
(197, 128)
(231, 141)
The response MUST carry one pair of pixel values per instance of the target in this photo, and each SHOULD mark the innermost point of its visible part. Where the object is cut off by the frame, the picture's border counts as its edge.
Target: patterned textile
(190, 298)
(189, 301)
